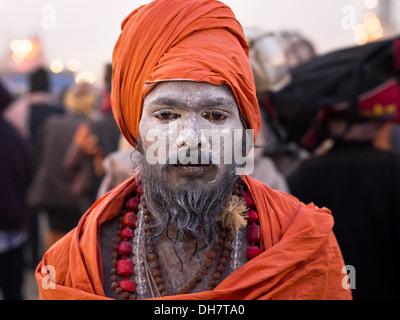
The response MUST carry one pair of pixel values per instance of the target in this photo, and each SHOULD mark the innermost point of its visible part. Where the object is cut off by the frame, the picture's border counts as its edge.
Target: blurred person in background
(361, 185)
(265, 169)
(118, 166)
(338, 106)
(395, 138)
(271, 55)
(389, 137)
(52, 186)
(93, 140)
(15, 173)
(27, 114)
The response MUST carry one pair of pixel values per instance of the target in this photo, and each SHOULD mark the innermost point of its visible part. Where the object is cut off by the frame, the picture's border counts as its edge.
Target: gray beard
(191, 211)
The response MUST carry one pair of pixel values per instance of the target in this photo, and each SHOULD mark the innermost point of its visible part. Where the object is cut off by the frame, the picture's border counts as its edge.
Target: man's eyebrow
(167, 101)
(206, 102)
(217, 101)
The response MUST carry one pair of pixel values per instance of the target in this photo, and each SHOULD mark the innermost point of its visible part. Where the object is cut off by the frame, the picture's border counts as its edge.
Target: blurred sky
(88, 29)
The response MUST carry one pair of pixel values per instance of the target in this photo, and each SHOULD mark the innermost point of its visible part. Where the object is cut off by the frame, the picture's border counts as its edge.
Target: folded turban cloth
(193, 40)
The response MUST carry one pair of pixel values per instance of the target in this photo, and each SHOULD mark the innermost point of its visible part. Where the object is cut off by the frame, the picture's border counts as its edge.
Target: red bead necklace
(123, 268)
(253, 229)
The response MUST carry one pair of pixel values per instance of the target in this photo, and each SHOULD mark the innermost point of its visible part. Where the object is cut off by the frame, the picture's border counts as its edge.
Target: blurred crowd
(329, 135)
(51, 166)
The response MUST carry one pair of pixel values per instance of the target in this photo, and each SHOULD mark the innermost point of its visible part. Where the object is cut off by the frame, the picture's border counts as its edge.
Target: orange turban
(195, 40)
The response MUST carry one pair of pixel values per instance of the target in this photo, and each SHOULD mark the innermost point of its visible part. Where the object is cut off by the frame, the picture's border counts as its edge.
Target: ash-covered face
(188, 187)
(190, 115)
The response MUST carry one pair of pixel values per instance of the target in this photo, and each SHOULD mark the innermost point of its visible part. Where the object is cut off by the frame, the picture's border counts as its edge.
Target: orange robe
(300, 260)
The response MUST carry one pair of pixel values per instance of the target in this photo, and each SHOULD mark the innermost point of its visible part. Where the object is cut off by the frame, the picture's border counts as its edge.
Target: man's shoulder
(58, 255)
(266, 192)
(282, 205)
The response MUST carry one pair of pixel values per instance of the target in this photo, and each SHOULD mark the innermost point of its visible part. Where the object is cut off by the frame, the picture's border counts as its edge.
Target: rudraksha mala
(123, 269)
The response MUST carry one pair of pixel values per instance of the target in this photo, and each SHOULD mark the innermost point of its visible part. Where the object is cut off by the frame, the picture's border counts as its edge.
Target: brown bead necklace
(147, 266)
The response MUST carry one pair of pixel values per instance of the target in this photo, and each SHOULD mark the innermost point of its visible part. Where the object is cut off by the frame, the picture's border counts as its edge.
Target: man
(51, 190)
(360, 183)
(15, 172)
(94, 139)
(173, 231)
(28, 114)
(338, 106)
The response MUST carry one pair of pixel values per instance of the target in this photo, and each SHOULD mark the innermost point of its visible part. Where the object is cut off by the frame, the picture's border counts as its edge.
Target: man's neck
(180, 261)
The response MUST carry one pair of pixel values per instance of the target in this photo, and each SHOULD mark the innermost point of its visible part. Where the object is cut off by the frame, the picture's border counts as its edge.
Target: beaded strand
(139, 252)
(133, 225)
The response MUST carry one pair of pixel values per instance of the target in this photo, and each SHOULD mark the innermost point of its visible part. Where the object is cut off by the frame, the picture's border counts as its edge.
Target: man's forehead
(190, 93)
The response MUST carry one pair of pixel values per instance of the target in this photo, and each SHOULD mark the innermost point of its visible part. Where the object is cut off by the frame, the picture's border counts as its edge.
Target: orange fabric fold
(193, 40)
(300, 259)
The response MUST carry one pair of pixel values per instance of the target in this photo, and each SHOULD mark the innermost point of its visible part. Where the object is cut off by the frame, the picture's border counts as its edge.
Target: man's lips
(191, 165)
(192, 169)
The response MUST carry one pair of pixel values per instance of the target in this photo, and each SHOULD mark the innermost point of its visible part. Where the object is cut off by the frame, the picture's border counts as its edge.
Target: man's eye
(167, 115)
(214, 116)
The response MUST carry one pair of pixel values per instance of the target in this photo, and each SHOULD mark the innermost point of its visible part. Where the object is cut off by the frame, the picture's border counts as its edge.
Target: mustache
(192, 156)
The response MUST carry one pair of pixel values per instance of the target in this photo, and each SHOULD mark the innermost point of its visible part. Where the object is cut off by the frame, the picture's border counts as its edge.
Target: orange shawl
(193, 40)
(300, 259)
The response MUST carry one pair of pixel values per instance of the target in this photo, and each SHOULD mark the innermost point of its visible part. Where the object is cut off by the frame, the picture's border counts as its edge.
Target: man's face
(184, 111)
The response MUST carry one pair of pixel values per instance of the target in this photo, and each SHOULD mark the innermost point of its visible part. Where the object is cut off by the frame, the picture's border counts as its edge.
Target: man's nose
(189, 133)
